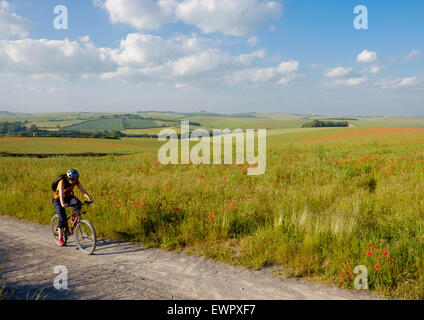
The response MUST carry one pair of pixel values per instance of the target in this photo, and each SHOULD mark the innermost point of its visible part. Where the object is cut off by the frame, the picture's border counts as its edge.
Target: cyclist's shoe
(61, 242)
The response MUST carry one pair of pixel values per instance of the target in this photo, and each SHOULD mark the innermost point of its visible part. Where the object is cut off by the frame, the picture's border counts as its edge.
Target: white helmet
(72, 174)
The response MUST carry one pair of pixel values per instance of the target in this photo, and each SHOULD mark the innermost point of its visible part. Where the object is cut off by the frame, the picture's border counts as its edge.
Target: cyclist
(64, 198)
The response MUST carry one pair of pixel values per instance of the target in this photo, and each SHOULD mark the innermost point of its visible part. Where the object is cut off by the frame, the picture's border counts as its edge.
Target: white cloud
(366, 56)
(141, 14)
(351, 82)
(53, 59)
(12, 25)
(144, 57)
(398, 83)
(374, 69)
(139, 49)
(338, 72)
(253, 41)
(248, 58)
(252, 76)
(281, 74)
(207, 60)
(235, 17)
(413, 54)
(288, 66)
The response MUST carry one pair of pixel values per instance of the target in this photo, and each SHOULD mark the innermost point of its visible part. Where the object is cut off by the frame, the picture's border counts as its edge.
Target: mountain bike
(85, 234)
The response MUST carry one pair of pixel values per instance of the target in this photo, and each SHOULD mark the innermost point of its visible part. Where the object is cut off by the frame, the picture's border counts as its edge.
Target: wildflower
(302, 267)
(384, 254)
(377, 267)
(393, 260)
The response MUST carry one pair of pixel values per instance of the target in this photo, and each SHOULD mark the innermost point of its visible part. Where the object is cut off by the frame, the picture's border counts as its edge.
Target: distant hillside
(7, 113)
(207, 114)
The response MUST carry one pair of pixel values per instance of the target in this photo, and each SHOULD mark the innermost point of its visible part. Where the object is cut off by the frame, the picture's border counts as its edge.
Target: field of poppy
(330, 199)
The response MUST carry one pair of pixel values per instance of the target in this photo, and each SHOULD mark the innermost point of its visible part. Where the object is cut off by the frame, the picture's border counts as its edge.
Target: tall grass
(319, 210)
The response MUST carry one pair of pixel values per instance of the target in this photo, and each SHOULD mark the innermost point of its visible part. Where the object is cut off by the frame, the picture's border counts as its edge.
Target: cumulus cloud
(253, 41)
(413, 54)
(366, 56)
(288, 66)
(12, 25)
(350, 82)
(374, 69)
(145, 49)
(207, 60)
(398, 83)
(53, 59)
(141, 14)
(338, 72)
(144, 57)
(281, 74)
(236, 17)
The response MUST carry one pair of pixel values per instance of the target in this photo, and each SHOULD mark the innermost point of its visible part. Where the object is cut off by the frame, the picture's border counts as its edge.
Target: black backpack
(56, 182)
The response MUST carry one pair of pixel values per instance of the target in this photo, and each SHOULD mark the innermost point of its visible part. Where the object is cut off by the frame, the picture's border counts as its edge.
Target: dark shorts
(73, 202)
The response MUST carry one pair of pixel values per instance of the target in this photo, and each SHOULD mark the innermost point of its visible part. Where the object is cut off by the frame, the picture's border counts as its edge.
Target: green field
(330, 199)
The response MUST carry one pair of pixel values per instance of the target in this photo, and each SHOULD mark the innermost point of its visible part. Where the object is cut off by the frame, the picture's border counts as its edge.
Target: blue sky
(290, 56)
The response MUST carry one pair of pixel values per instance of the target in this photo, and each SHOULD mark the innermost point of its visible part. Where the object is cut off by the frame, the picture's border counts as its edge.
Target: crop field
(50, 145)
(330, 199)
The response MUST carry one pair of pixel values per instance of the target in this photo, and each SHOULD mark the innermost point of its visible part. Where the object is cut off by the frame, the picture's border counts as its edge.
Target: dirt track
(120, 270)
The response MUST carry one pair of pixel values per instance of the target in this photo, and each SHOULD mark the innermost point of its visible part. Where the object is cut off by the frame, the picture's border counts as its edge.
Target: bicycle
(85, 234)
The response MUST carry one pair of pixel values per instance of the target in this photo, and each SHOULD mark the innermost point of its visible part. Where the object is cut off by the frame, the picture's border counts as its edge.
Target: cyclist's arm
(85, 193)
(65, 205)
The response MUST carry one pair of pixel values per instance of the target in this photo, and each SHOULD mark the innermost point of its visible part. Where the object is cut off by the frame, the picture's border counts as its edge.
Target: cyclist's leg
(75, 203)
(61, 212)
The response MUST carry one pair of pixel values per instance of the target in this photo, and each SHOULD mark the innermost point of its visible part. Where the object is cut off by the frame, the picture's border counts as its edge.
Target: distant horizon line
(213, 112)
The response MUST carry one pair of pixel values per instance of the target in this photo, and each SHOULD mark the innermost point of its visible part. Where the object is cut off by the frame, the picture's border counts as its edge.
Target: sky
(288, 56)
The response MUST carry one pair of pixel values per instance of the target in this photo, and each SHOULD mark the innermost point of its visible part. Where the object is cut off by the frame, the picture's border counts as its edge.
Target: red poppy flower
(385, 254)
(377, 267)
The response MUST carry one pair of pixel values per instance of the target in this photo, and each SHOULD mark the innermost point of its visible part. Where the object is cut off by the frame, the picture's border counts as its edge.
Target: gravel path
(120, 270)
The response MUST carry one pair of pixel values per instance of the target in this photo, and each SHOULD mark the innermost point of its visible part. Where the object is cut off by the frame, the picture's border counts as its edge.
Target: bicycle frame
(77, 214)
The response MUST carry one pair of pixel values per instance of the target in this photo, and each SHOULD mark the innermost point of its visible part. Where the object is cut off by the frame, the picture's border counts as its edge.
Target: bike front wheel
(86, 236)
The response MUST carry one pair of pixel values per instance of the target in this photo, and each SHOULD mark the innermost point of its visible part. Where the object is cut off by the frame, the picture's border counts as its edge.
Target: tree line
(319, 123)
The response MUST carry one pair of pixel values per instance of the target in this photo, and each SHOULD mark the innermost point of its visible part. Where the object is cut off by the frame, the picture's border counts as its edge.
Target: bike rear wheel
(86, 236)
(54, 223)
